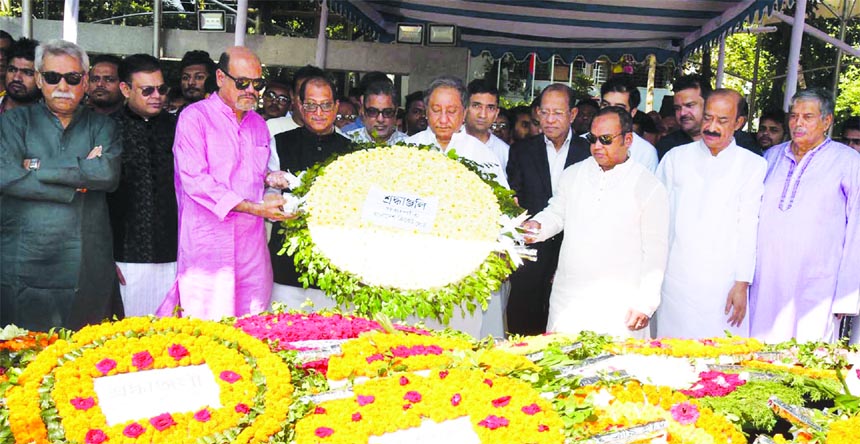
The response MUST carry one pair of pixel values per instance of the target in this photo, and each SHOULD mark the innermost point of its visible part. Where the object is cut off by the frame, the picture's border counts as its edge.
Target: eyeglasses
(545, 113)
(342, 117)
(242, 83)
(106, 79)
(53, 77)
(605, 139)
(374, 112)
(313, 107)
(12, 69)
(280, 99)
(498, 126)
(147, 91)
(851, 141)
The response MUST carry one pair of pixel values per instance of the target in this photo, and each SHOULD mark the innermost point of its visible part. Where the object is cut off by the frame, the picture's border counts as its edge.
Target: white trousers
(145, 286)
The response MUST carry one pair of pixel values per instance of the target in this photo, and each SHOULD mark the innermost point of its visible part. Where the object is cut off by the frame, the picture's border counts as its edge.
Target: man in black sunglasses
(21, 89)
(143, 209)
(379, 114)
(59, 160)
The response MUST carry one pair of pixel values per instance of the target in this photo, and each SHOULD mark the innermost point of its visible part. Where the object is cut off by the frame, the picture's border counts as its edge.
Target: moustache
(100, 90)
(686, 118)
(62, 95)
(711, 133)
(16, 84)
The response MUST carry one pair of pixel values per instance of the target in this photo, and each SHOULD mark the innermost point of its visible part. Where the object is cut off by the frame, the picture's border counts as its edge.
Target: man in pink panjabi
(220, 152)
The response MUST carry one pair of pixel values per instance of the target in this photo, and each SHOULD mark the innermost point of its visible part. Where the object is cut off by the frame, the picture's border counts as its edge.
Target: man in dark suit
(534, 169)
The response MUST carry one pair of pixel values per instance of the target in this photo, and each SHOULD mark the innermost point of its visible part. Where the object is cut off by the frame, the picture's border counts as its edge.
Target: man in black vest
(534, 169)
(298, 150)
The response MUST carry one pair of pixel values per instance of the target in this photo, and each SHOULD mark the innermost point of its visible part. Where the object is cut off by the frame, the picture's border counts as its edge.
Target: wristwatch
(34, 164)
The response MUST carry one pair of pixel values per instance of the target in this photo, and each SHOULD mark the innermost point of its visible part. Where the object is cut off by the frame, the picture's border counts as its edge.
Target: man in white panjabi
(445, 100)
(615, 217)
(715, 189)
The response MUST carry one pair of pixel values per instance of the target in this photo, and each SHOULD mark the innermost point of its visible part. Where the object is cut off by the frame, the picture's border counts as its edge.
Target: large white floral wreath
(403, 230)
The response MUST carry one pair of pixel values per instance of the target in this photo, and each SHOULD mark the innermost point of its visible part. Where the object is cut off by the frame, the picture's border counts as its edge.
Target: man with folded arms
(221, 152)
(58, 159)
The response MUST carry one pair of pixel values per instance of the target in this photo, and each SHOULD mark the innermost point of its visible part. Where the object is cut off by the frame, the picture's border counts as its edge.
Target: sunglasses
(281, 100)
(242, 83)
(374, 112)
(605, 139)
(147, 91)
(498, 126)
(12, 69)
(53, 77)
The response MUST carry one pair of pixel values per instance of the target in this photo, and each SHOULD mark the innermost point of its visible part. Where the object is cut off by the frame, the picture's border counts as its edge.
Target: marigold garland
(689, 348)
(815, 373)
(58, 385)
(374, 354)
(501, 410)
(844, 431)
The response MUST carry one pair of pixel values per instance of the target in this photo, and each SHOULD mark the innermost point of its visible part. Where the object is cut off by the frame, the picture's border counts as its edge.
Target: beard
(246, 103)
(21, 95)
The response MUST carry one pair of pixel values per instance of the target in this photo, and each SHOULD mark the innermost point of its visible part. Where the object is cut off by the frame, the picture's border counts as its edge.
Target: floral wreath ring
(500, 409)
(56, 399)
(439, 241)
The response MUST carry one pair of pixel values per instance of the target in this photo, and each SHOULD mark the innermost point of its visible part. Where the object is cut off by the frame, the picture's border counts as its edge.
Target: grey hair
(824, 98)
(59, 47)
(447, 82)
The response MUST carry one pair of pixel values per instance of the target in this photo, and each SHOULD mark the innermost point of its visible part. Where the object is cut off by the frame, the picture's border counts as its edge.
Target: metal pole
(322, 41)
(721, 63)
(499, 72)
(836, 72)
(754, 83)
(70, 21)
(652, 75)
(794, 53)
(570, 74)
(156, 29)
(820, 35)
(27, 18)
(241, 22)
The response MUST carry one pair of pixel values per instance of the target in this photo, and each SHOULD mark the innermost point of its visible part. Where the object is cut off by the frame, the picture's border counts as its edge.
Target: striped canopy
(669, 29)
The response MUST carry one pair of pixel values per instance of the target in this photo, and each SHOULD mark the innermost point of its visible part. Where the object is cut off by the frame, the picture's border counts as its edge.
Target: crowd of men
(149, 200)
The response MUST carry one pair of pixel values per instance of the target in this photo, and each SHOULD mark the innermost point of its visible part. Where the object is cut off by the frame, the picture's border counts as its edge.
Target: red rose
(133, 430)
(95, 436)
(242, 408)
(203, 415)
(106, 365)
(323, 432)
(230, 376)
(142, 360)
(162, 421)
(177, 351)
(83, 403)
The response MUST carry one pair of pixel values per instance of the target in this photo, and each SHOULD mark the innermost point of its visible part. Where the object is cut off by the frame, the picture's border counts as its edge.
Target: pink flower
(521, 344)
(407, 406)
(356, 417)
(501, 402)
(95, 436)
(177, 351)
(488, 381)
(412, 396)
(162, 421)
(542, 427)
(83, 403)
(242, 408)
(493, 422)
(106, 365)
(685, 413)
(133, 430)
(320, 366)
(203, 415)
(404, 380)
(363, 400)
(142, 360)
(656, 344)
(319, 411)
(376, 357)
(323, 432)
(443, 374)
(455, 400)
(230, 376)
(531, 409)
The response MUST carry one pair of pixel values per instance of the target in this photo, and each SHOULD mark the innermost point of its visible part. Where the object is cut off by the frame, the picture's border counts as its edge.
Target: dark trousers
(531, 284)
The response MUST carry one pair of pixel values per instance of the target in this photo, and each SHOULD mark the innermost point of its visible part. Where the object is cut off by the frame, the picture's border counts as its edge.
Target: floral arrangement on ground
(403, 230)
(378, 379)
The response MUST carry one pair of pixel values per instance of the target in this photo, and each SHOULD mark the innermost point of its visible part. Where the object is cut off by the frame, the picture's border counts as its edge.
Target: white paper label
(457, 430)
(142, 395)
(399, 210)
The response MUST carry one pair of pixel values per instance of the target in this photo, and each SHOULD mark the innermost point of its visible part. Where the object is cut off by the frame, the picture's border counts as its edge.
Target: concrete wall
(420, 63)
